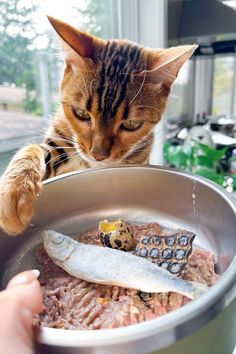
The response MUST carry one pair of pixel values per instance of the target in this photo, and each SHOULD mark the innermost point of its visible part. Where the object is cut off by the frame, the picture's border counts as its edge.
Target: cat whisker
(84, 157)
(67, 128)
(57, 157)
(60, 147)
(85, 86)
(139, 90)
(139, 145)
(23, 142)
(151, 107)
(58, 138)
(91, 86)
(61, 160)
(29, 140)
(157, 132)
(80, 152)
(42, 134)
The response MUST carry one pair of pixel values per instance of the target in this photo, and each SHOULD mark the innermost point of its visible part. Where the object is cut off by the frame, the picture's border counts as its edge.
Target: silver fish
(108, 266)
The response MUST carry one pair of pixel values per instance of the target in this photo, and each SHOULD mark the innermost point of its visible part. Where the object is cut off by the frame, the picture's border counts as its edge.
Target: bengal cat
(113, 93)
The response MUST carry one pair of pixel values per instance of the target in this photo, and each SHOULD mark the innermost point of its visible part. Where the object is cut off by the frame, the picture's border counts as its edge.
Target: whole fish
(108, 266)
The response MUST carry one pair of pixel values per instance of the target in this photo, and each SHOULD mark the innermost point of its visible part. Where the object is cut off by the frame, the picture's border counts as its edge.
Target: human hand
(18, 303)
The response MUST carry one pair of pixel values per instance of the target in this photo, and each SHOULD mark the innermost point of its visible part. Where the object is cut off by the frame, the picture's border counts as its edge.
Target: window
(30, 65)
(181, 97)
(179, 112)
(224, 85)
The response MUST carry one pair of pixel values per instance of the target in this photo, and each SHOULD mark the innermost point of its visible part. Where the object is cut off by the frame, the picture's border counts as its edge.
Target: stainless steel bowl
(139, 194)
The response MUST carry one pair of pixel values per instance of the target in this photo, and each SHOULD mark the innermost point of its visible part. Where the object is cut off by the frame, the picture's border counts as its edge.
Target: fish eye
(80, 114)
(58, 239)
(131, 125)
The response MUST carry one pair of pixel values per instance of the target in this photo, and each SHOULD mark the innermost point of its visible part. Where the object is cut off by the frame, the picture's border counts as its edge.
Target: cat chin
(94, 163)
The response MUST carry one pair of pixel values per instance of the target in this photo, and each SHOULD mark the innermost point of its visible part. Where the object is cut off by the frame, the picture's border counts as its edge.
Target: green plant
(201, 160)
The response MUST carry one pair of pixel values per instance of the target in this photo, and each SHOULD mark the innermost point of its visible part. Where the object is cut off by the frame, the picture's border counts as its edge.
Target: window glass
(31, 63)
(223, 85)
(179, 109)
(180, 100)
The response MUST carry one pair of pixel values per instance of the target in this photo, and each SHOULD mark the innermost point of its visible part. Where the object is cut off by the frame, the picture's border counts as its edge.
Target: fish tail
(198, 289)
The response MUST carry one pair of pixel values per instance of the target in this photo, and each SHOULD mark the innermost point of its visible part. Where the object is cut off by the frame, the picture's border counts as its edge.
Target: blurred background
(198, 130)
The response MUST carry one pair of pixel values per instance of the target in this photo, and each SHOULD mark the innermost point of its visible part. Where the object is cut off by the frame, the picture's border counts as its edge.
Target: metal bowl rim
(192, 310)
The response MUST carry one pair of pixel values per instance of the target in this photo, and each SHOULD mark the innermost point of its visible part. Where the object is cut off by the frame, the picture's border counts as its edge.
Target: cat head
(114, 92)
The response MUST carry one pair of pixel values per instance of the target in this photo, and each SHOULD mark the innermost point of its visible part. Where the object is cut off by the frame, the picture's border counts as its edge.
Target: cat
(113, 93)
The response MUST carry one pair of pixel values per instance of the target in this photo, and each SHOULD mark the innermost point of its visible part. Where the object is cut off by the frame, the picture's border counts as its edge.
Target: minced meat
(71, 303)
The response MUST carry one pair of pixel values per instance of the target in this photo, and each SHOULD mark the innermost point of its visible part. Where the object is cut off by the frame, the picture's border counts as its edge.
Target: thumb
(24, 289)
(18, 303)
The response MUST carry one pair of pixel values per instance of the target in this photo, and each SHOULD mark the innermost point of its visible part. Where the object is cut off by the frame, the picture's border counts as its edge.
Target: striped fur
(119, 61)
(107, 93)
(106, 88)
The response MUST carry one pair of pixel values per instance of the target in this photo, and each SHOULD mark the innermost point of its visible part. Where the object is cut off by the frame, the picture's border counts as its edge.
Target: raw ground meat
(71, 303)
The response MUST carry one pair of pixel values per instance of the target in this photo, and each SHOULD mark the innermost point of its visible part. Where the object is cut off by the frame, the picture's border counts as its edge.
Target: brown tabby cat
(112, 95)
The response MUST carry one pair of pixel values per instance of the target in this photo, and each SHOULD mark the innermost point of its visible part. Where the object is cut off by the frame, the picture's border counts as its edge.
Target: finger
(26, 296)
(24, 278)
(15, 328)
(18, 303)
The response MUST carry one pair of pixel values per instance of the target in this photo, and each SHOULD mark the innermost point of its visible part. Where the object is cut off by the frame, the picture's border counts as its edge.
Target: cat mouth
(89, 159)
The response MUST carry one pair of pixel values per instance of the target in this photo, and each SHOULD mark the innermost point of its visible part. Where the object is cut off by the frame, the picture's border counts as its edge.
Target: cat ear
(79, 47)
(165, 64)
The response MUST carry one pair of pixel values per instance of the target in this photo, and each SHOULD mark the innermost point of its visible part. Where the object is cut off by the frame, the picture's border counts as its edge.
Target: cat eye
(81, 114)
(131, 125)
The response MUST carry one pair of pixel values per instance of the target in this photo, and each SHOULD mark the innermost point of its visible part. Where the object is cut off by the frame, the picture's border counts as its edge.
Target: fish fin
(102, 281)
(199, 289)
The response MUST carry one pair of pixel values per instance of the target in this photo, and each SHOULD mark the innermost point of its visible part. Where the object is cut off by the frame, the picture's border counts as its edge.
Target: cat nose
(100, 148)
(99, 156)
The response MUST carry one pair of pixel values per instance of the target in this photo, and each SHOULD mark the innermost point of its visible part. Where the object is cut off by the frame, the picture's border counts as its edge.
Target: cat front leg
(20, 186)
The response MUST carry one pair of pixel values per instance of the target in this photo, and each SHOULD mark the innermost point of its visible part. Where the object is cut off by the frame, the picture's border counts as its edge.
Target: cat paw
(17, 201)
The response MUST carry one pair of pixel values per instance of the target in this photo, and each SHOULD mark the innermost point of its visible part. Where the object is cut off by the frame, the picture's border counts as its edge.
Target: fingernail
(24, 278)
(36, 273)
